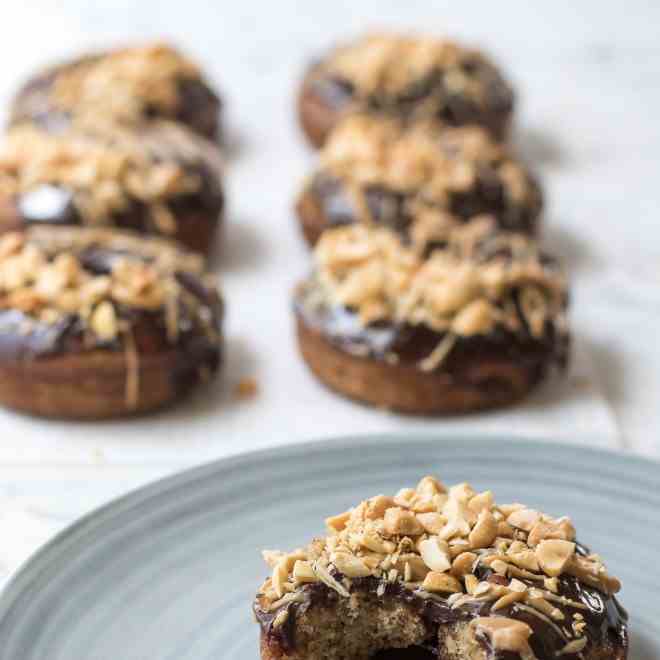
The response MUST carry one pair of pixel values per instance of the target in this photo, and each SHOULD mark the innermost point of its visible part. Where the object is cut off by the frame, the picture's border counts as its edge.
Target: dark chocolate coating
(606, 621)
(410, 344)
(194, 348)
(199, 106)
(339, 95)
(388, 207)
(196, 214)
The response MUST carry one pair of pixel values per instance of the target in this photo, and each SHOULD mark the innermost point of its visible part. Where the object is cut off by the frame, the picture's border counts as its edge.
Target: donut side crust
(405, 388)
(312, 218)
(99, 384)
(200, 230)
(33, 102)
(317, 118)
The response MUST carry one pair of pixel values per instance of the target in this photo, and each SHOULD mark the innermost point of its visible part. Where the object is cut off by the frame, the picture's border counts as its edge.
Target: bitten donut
(96, 323)
(162, 179)
(405, 77)
(437, 573)
(127, 86)
(416, 180)
(475, 325)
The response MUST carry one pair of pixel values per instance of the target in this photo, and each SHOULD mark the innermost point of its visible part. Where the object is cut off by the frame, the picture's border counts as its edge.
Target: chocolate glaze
(48, 204)
(606, 620)
(410, 344)
(454, 108)
(23, 338)
(54, 205)
(199, 108)
(335, 92)
(389, 207)
(32, 103)
(42, 340)
(199, 105)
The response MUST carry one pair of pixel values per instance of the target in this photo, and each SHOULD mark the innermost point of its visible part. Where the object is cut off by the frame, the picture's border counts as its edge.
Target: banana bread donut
(475, 325)
(158, 179)
(405, 77)
(441, 573)
(126, 86)
(417, 180)
(96, 323)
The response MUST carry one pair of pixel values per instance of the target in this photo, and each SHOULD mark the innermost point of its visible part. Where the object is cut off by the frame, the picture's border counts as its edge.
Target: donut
(410, 77)
(128, 86)
(96, 323)
(415, 179)
(475, 325)
(161, 179)
(436, 572)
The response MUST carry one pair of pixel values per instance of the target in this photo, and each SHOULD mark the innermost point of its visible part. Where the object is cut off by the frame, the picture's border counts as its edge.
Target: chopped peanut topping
(557, 529)
(125, 83)
(445, 544)
(399, 522)
(424, 163)
(506, 635)
(435, 554)
(465, 289)
(442, 583)
(107, 169)
(554, 555)
(41, 274)
(419, 158)
(484, 532)
(386, 66)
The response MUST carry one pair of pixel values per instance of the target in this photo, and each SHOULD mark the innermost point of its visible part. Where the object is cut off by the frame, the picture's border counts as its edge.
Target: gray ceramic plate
(168, 572)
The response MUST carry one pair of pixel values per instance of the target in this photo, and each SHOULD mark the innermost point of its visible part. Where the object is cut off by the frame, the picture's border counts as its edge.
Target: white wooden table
(588, 120)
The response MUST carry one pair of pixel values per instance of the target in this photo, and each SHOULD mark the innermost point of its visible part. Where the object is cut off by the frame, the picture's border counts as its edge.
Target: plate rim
(40, 560)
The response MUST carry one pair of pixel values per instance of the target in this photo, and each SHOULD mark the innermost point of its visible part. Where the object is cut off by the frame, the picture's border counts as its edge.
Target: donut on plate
(96, 323)
(441, 573)
(158, 179)
(128, 86)
(417, 180)
(477, 324)
(405, 77)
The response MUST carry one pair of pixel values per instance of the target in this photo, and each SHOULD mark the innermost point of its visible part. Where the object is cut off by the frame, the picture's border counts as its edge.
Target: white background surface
(588, 121)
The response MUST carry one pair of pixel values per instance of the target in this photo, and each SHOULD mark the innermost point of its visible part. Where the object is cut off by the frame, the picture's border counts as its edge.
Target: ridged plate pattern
(168, 572)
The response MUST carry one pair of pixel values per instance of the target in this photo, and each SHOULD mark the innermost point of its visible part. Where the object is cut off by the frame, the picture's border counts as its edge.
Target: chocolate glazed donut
(420, 181)
(475, 325)
(152, 81)
(441, 573)
(158, 178)
(405, 77)
(100, 324)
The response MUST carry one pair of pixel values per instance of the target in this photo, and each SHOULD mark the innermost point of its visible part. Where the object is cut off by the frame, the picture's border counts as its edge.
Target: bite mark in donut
(443, 573)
